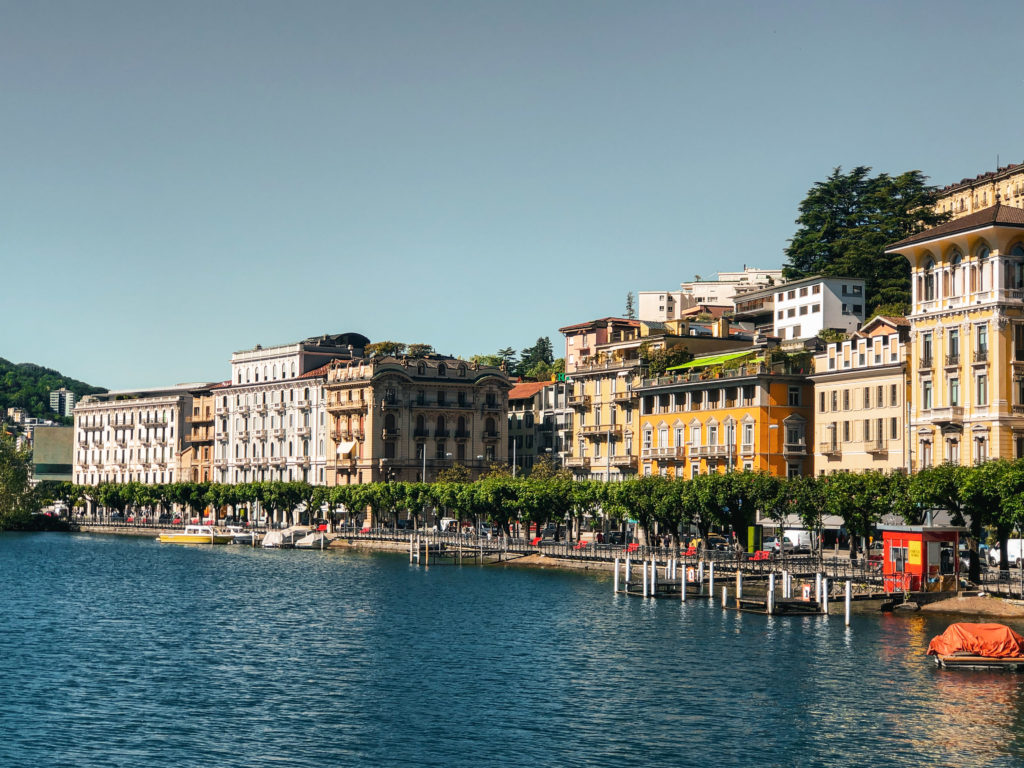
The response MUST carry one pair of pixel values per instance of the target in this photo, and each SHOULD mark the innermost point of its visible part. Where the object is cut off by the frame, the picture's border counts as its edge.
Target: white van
(1014, 553)
(801, 539)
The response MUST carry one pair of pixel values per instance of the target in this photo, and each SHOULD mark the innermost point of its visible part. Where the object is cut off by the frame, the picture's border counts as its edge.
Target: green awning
(703, 362)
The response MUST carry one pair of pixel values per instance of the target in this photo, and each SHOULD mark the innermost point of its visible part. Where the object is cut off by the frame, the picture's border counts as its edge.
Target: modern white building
(667, 305)
(270, 421)
(802, 308)
(62, 401)
(131, 436)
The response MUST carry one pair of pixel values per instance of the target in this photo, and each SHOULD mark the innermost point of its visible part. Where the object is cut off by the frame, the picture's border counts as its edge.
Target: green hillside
(26, 385)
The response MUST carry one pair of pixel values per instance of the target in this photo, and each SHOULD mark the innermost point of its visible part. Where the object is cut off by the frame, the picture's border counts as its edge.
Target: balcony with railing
(674, 452)
(491, 435)
(795, 448)
(421, 434)
(746, 449)
(878, 445)
(980, 356)
(829, 448)
(277, 433)
(302, 432)
(462, 434)
(338, 404)
(579, 401)
(391, 434)
(260, 408)
(577, 462)
(302, 403)
(601, 431)
(622, 460)
(952, 360)
(624, 398)
(259, 434)
(950, 414)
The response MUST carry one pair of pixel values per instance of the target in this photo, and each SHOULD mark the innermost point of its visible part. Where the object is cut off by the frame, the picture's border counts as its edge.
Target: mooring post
(615, 584)
(739, 583)
(771, 594)
(824, 595)
(644, 562)
(654, 574)
(700, 573)
(849, 598)
(410, 550)
(629, 572)
(682, 585)
(725, 597)
(711, 578)
(817, 589)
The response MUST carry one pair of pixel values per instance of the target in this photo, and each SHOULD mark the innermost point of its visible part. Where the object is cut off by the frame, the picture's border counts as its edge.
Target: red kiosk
(921, 558)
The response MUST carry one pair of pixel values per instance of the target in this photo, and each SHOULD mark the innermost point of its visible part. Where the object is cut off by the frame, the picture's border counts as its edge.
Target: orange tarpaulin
(994, 641)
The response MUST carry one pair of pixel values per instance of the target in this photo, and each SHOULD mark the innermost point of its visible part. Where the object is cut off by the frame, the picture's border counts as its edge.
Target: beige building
(407, 418)
(860, 396)
(196, 460)
(131, 436)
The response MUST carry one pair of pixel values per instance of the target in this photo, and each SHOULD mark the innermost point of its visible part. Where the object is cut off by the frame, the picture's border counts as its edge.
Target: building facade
(131, 436)
(803, 308)
(539, 423)
(969, 196)
(270, 421)
(62, 401)
(735, 411)
(196, 461)
(967, 338)
(669, 305)
(407, 419)
(860, 395)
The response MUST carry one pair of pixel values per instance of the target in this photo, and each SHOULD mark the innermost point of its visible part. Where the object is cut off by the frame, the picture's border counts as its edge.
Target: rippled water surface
(123, 652)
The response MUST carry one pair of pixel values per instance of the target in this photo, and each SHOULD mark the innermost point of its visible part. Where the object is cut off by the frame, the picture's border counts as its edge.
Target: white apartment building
(131, 436)
(668, 305)
(802, 308)
(270, 420)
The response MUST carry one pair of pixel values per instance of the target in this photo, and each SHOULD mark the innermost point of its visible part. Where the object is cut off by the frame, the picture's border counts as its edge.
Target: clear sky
(180, 180)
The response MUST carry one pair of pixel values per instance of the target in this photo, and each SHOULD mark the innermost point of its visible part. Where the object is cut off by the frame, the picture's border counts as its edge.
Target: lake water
(119, 651)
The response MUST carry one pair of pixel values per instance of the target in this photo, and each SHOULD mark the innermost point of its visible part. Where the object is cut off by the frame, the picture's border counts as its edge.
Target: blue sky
(182, 180)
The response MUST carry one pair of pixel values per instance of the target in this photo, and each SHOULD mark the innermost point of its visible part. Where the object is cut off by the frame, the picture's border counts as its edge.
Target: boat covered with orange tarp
(989, 641)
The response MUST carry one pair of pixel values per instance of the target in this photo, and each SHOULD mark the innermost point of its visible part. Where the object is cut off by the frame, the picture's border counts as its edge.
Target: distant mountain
(28, 386)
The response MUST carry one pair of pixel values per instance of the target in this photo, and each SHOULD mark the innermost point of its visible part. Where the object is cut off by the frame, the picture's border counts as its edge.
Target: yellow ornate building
(967, 338)
(607, 367)
(718, 413)
(972, 195)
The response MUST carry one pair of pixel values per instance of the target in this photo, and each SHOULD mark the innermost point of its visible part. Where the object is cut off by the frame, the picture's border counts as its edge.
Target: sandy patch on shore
(541, 561)
(976, 606)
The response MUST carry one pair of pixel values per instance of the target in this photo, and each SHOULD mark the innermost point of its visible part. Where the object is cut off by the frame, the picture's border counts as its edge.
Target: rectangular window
(835, 400)
(954, 392)
(879, 396)
(794, 396)
(894, 428)
(821, 402)
(791, 312)
(803, 291)
(781, 314)
(926, 395)
(982, 339)
(926, 349)
(748, 434)
(867, 430)
(954, 346)
(846, 431)
(867, 397)
(1018, 342)
(846, 399)
(981, 389)
(893, 395)
(815, 308)
(803, 310)
(816, 289)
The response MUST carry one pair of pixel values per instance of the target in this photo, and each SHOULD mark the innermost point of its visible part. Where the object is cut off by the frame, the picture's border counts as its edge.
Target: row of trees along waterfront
(989, 496)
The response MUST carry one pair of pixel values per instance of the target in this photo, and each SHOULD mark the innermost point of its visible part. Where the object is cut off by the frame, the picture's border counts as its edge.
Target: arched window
(929, 280)
(1015, 268)
(462, 425)
(489, 425)
(956, 275)
(420, 426)
(389, 422)
(442, 370)
(983, 253)
(462, 371)
(441, 425)
(421, 369)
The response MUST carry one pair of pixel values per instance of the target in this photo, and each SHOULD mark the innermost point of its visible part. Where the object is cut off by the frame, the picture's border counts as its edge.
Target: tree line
(986, 497)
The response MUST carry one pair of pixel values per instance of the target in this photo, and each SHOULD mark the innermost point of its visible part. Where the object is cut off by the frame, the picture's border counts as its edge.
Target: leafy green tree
(846, 222)
(17, 500)
(384, 348)
(28, 386)
(660, 360)
(630, 307)
(420, 350)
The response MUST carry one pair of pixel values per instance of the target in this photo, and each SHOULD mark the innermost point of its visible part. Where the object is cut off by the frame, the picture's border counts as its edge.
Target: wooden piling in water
(771, 593)
(615, 587)
(849, 598)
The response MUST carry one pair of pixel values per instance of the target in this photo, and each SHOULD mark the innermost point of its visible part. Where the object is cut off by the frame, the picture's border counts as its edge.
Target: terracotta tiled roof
(317, 372)
(600, 321)
(897, 321)
(998, 214)
(526, 389)
(983, 176)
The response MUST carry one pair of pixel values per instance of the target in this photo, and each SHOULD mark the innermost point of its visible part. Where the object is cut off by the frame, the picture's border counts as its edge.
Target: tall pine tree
(847, 220)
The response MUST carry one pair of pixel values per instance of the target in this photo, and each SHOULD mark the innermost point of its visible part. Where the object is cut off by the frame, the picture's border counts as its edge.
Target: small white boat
(195, 534)
(240, 535)
(285, 539)
(314, 540)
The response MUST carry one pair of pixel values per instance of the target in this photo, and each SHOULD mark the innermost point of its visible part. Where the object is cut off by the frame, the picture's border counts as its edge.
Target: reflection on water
(124, 652)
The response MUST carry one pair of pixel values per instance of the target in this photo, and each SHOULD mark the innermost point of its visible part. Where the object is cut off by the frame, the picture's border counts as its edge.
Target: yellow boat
(195, 534)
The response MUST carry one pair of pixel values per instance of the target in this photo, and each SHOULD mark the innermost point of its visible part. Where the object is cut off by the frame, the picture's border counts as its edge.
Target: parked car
(773, 545)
